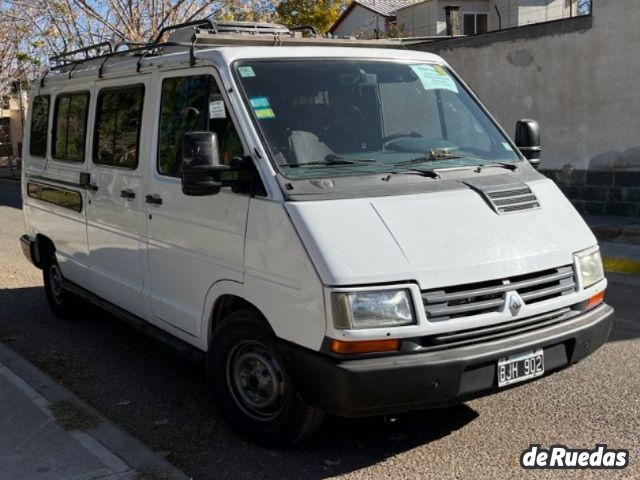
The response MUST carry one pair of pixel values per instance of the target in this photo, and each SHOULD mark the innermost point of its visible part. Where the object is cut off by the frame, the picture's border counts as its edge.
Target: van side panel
(279, 277)
(51, 207)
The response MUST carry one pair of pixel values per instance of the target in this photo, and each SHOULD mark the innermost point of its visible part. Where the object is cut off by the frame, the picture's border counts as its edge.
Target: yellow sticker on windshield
(435, 77)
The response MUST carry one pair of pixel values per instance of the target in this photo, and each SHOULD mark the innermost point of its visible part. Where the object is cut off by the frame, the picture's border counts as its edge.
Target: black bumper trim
(399, 383)
(30, 250)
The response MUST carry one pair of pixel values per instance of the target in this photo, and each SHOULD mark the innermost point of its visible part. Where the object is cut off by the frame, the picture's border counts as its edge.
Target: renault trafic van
(331, 228)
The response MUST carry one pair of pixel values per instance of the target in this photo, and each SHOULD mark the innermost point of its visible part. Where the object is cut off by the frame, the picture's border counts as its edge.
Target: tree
(33, 30)
(320, 14)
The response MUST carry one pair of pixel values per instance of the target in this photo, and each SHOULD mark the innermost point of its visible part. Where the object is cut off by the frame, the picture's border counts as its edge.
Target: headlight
(589, 267)
(377, 309)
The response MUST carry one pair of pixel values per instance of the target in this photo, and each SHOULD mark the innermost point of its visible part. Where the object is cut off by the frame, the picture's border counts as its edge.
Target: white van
(331, 229)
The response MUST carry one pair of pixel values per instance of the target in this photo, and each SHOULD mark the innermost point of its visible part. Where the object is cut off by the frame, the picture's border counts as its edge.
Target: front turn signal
(365, 346)
(596, 299)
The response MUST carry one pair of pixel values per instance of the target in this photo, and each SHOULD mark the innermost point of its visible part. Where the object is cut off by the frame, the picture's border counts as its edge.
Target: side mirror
(201, 167)
(528, 140)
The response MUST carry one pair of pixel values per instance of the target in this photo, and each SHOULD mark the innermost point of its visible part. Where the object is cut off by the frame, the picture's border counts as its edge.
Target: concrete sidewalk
(619, 239)
(47, 433)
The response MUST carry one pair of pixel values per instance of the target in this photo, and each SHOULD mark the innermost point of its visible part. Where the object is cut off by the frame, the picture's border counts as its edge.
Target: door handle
(128, 194)
(153, 199)
(93, 187)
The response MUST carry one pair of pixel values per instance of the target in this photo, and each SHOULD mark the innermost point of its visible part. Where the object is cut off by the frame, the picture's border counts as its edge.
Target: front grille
(506, 201)
(486, 297)
(494, 332)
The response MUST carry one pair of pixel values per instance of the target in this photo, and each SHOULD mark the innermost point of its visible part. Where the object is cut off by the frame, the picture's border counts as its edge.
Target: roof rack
(70, 57)
(199, 34)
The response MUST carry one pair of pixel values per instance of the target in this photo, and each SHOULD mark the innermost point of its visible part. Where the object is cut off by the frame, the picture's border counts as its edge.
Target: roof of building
(386, 8)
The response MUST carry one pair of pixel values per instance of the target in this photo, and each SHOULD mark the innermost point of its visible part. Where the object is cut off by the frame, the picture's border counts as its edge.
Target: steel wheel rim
(55, 281)
(255, 380)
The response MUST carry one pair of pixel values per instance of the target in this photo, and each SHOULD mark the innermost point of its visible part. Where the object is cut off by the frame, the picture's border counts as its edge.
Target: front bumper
(398, 383)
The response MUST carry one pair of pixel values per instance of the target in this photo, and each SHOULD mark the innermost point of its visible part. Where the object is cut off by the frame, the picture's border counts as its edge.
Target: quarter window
(39, 126)
(189, 104)
(70, 124)
(117, 131)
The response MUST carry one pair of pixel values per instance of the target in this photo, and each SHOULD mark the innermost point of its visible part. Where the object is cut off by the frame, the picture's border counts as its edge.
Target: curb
(120, 446)
(621, 265)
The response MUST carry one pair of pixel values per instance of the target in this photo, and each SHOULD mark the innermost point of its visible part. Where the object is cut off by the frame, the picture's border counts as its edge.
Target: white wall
(429, 17)
(523, 12)
(360, 21)
(579, 81)
(419, 20)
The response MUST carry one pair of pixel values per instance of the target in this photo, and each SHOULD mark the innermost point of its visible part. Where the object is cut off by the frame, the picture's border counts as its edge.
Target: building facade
(368, 18)
(429, 18)
(11, 123)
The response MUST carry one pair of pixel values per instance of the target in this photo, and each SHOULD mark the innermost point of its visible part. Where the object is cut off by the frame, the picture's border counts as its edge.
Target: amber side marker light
(596, 299)
(365, 346)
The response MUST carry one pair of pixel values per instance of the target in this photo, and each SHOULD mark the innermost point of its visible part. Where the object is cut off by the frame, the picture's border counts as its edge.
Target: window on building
(69, 127)
(189, 104)
(117, 131)
(474, 23)
(39, 126)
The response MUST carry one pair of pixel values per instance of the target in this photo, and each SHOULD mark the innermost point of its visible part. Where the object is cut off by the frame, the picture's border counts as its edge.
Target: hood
(437, 239)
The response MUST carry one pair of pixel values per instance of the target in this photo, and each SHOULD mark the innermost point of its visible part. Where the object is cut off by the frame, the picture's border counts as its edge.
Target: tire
(62, 303)
(251, 387)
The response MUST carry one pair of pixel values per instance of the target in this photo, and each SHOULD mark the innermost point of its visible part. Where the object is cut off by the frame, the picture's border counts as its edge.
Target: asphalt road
(160, 398)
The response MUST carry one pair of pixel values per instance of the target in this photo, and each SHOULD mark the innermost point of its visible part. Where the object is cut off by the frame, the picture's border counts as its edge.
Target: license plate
(521, 367)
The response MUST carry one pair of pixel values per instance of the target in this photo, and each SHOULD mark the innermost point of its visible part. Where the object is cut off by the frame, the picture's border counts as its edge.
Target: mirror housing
(528, 140)
(201, 167)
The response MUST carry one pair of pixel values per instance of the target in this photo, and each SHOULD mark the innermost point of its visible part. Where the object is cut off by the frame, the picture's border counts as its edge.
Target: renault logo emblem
(515, 304)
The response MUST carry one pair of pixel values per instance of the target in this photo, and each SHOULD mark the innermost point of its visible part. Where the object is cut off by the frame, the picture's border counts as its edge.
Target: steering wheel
(396, 136)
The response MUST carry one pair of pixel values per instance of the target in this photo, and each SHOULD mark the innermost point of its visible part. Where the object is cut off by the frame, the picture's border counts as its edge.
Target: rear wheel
(62, 303)
(252, 388)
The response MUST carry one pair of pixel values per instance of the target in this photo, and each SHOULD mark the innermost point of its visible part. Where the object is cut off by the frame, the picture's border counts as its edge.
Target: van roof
(220, 42)
(127, 65)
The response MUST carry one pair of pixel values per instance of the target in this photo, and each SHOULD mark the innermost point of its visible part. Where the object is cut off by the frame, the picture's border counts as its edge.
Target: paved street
(160, 398)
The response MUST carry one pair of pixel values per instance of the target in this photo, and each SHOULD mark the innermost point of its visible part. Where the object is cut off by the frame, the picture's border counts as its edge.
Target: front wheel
(251, 386)
(62, 303)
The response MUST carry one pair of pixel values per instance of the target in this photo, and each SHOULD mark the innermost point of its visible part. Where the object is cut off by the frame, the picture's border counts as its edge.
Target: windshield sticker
(434, 77)
(217, 110)
(246, 72)
(262, 108)
(506, 146)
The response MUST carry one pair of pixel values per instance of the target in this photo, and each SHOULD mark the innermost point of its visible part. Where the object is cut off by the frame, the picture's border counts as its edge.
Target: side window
(117, 130)
(190, 104)
(69, 126)
(39, 126)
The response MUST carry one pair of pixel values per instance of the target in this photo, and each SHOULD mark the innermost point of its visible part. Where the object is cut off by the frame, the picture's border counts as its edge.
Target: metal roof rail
(193, 23)
(68, 57)
(305, 28)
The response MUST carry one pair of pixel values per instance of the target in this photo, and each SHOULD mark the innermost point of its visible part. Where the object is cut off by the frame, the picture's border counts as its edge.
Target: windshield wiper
(335, 160)
(433, 156)
(508, 166)
(423, 172)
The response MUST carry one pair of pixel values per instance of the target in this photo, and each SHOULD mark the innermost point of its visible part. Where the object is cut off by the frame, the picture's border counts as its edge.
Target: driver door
(193, 242)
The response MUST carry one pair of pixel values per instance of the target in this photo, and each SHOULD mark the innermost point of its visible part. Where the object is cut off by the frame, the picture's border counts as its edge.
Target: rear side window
(117, 131)
(39, 126)
(69, 126)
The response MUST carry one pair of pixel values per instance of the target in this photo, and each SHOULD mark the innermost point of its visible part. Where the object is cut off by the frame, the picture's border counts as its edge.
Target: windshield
(324, 118)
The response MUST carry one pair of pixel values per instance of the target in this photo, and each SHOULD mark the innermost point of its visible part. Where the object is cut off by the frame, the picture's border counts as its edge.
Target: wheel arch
(224, 298)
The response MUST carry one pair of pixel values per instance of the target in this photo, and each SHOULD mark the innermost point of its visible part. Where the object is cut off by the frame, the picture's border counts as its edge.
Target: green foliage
(320, 14)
